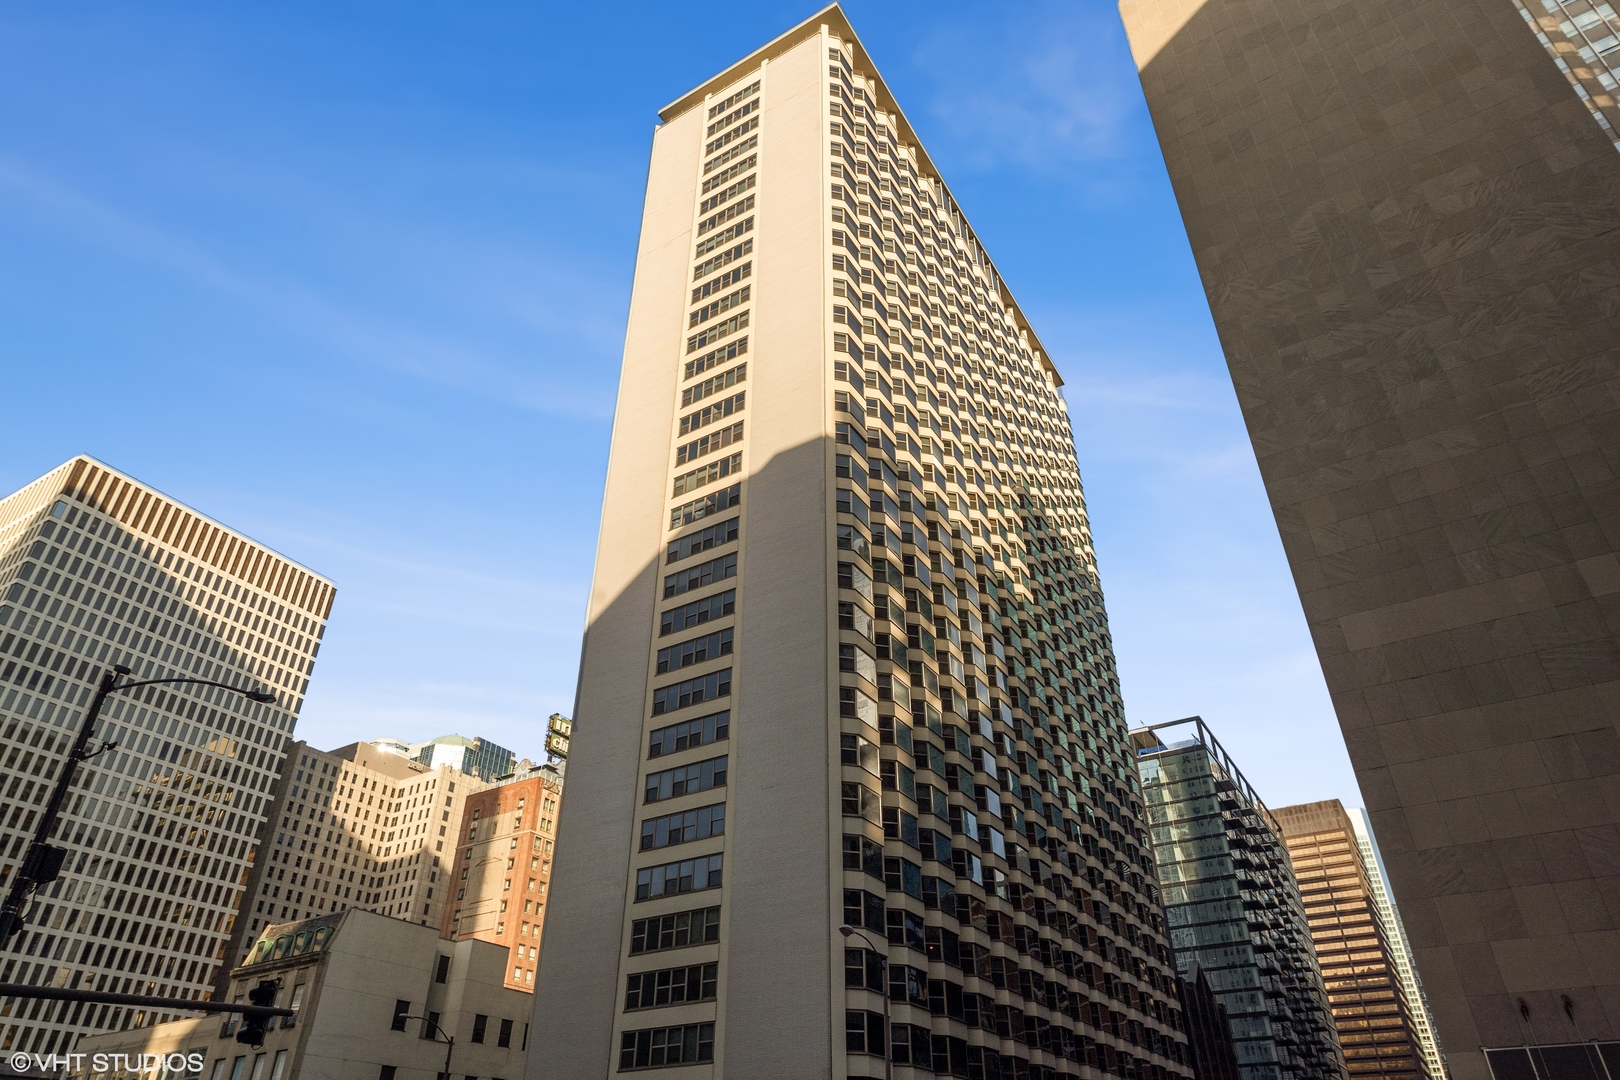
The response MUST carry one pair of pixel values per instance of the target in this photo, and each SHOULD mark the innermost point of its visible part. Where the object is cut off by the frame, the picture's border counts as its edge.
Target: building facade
(357, 827)
(373, 997)
(1233, 905)
(1209, 1030)
(846, 658)
(1371, 1010)
(98, 569)
(502, 871)
(1405, 225)
(1399, 948)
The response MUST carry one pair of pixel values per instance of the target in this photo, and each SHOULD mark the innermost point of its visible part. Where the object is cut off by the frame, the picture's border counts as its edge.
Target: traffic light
(263, 995)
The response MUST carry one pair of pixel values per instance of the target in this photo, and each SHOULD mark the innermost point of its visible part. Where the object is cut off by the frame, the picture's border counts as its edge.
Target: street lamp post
(888, 1028)
(42, 862)
(449, 1041)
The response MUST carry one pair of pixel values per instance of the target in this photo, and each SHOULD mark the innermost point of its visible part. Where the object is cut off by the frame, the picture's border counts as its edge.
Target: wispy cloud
(1047, 90)
(574, 325)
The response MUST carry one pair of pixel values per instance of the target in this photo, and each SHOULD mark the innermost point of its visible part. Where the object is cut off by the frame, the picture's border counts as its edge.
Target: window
(402, 1010)
(480, 1025)
(505, 1037)
(689, 875)
(430, 1030)
(671, 986)
(864, 855)
(690, 733)
(698, 776)
(384, 1073)
(675, 931)
(863, 1032)
(442, 972)
(865, 909)
(863, 969)
(684, 827)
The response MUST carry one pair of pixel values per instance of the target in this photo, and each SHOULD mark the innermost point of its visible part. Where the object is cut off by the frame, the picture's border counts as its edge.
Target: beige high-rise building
(846, 659)
(357, 827)
(97, 568)
(1405, 222)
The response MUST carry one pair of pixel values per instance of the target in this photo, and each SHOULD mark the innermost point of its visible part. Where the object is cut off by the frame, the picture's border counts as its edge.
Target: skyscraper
(1405, 222)
(1353, 944)
(1400, 949)
(846, 659)
(1234, 908)
(96, 569)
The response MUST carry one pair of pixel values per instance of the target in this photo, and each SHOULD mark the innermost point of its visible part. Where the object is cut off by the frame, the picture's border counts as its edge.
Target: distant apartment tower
(846, 658)
(97, 569)
(476, 757)
(356, 827)
(1402, 216)
(502, 869)
(1233, 906)
(1400, 950)
(1370, 1008)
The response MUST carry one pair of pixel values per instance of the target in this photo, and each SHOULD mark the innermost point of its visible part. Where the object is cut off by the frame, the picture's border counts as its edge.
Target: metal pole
(11, 917)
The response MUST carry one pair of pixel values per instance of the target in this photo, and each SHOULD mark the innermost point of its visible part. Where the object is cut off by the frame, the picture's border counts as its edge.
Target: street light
(449, 1042)
(888, 1028)
(42, 862)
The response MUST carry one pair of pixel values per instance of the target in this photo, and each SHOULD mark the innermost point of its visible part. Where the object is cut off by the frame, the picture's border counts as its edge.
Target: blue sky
(353, 278)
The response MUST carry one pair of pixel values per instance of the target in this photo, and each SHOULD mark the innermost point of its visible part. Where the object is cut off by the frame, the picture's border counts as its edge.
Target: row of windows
(711, 504)
(657, 1048)
(717, 307)
(720, 217)
(705, 475)
(696, 577)
(732, 99)
(710, 443)
(731, 152)
(692, 543)
(698, 611)
(671, 986)
(689, 734)
(745, 184)
(723, 238)
(731, 136)
(712, 182)
(698, 776)
(692, 692)
(708, 266)
(710, 413)
(676, 878)
(683, 827)
(726, 379)
(696, 651)
(676, 930)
